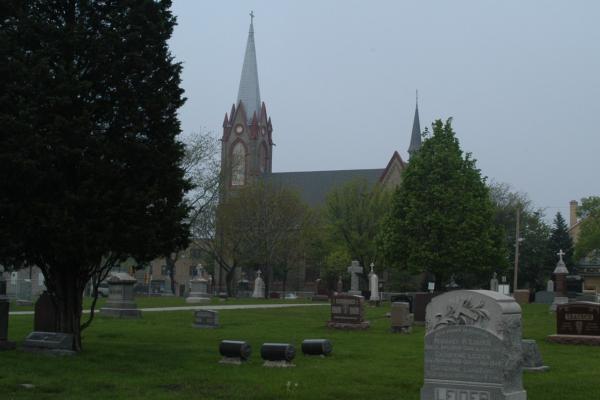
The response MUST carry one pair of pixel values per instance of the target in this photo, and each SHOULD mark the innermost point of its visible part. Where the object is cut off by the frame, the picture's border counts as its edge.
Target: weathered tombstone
(494, 283)
(405, 298)
(532, 359)
(577, 323)
(120, 301)
(206, 319)
(49, 342)
(401, 318)
(374, 285)
(521, 296)
(259, 287)
(354, 269)
(340, 285)
(5, 344)
(321, 291)
(24, 293)
(544, 297)
(550, 285)
(347, 312)
(44, 319)
(560, 275)
(199, 290)
(421, 300)
(473, 347)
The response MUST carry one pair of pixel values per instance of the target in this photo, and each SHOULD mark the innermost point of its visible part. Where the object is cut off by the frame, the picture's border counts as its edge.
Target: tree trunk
(229, 278)
(68, 298)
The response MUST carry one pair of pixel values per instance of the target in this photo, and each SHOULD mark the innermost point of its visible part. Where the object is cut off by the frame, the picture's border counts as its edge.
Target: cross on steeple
(251, 17)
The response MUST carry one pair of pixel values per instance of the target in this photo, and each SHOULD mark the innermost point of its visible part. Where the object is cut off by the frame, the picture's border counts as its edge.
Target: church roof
(415, 138)
(314, 186)
(249, 93)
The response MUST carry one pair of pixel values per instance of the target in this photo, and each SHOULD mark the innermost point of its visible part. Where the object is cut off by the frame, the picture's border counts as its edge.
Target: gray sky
(520, 78)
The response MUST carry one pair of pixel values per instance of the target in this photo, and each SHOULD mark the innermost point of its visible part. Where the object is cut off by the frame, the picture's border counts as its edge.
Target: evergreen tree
(441, 220)
(90, 168)
(560, 240)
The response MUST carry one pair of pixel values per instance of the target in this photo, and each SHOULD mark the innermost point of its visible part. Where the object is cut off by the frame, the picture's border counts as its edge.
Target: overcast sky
(521, 79)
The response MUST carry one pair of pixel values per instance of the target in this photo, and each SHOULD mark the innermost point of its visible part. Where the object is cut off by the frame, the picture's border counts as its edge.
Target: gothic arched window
(238, 164)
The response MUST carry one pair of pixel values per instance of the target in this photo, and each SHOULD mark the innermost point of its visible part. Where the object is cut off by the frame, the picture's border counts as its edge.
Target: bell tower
(246, 144)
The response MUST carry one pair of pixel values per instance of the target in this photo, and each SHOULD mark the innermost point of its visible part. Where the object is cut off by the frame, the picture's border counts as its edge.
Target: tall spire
(415, 138)
(249, 93)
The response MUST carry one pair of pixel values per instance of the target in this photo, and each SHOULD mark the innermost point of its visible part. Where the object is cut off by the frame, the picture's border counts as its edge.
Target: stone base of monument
(532, 359)
(118, 312)
(349, 326)
(25, 303)
(278, 364)
(557, 301)
(445, 390)
(574, 339)
(231, 360)
(320, 297)
(54, 343)
(191, 299)
(7, 345)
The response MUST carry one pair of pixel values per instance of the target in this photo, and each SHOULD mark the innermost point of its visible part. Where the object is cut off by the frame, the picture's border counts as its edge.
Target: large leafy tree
(90, 168)
(588, 242)
(536, 260)
(441, 220)
(354, 215)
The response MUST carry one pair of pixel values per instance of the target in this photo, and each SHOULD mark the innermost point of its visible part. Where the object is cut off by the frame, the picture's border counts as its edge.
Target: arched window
(263, 160)
(238, 164)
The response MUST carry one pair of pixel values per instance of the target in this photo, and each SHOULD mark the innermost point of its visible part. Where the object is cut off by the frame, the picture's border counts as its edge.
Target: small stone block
(278, 364)
(574, 339)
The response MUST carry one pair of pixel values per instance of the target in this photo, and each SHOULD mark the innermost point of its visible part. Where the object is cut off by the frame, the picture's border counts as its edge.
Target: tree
(560, 240)
(588, 242)
(267, 222)
(354, 214)
(536, 261)
(90, 168)
(441, 221)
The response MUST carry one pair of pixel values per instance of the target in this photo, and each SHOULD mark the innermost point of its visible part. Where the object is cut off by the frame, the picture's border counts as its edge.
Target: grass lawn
(162, 357)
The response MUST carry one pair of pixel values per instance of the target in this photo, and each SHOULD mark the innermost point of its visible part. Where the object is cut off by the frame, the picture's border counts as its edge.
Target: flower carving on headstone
(462, 312)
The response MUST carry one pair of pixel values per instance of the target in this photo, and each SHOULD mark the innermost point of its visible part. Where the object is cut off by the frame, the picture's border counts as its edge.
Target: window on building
(238, 166)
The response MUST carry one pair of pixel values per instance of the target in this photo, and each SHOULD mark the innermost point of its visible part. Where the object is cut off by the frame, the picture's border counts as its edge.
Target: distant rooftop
(314, 186)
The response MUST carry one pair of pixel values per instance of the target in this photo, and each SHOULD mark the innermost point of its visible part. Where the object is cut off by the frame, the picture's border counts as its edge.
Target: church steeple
(415, 138)
(247, 142)
(249, 92)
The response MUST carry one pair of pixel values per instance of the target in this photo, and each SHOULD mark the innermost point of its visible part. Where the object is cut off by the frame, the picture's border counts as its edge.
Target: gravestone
(354, 269)
(544, 297)
(259, 287)
(347, 312)
(5, 344)
(44, 319)
(404, 298)
(550, 285)
(24, 293)
(206, 319)
(532, 359)
(49, 342)
(340, 285)
(521, 296)
(120, 302)
(401, 318)
(421, 300)
(577, 323)
(560, 275)
(321, 291)
(374, 285)
(473, 347)
(494, 283)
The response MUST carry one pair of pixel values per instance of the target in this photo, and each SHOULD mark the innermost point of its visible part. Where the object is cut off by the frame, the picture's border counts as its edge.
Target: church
(247, 146)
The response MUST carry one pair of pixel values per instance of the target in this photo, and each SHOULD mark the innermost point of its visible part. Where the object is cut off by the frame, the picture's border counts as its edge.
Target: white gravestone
(494, 283)
(259, 287)
(373, 285)
(473, 347)
(550, 285)
(354, 269)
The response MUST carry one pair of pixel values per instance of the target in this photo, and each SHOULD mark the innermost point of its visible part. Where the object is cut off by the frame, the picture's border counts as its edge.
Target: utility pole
(517, 240)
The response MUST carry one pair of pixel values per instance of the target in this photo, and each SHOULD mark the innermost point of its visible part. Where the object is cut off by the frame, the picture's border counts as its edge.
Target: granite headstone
(473, 347)
(577, 323)
(347, 312)
(206, 319)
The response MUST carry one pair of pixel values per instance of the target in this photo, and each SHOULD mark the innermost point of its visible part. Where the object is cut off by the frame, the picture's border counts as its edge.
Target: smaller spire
(415, 138)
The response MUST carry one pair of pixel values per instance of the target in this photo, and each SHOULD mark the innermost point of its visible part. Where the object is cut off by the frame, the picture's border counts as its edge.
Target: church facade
(247, 146)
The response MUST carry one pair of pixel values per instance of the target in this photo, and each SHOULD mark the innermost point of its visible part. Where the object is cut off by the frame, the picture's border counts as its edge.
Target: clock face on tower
(239, 129)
